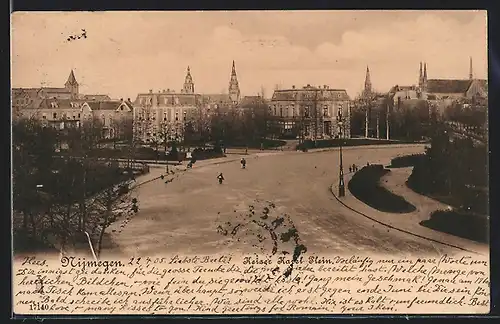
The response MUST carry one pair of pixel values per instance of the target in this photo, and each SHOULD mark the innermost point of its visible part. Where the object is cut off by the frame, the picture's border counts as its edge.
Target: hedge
(365, 186)
(460, 223)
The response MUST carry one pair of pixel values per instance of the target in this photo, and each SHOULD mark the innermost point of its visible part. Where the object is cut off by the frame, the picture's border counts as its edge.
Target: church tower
(424, 78)
(421, 77)
(188, 83)
(471, 75)
(234, 88)
(72, 85)
(368, 83)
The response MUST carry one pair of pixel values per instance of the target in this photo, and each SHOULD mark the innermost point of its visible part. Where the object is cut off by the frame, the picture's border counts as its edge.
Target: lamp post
(184, 131)
(341, 168)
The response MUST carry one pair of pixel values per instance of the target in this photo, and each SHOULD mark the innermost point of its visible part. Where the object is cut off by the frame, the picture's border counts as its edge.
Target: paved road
(182, 216)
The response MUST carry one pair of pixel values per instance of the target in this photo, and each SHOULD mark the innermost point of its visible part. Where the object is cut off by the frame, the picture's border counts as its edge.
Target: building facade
(66, 108)
(310, 112)
(69, 113)
(441, 91)
(165, 115)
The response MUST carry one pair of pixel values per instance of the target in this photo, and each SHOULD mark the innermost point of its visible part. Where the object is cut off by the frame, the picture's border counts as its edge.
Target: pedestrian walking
(243, 163)
(350, 169)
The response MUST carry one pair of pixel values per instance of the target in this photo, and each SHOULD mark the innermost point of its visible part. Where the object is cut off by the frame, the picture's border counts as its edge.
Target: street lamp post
(341, 168)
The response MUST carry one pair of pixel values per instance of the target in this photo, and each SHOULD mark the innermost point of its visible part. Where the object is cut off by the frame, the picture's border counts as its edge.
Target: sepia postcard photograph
(320, 162)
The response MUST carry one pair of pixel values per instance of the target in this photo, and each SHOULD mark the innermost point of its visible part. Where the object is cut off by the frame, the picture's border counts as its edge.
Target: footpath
(407, 223)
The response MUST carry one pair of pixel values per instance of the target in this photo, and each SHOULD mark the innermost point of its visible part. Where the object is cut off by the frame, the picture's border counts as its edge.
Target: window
(176, 116)
(44, 116)
(325, 111)
(275, 110)
(281, 111)
(306, 112)
(78, 115)
(54, 115)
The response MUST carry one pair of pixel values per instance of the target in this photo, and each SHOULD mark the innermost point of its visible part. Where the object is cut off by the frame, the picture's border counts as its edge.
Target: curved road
(182, 216)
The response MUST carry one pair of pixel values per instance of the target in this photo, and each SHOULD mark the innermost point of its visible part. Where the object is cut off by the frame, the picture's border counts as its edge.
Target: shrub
(460, 223)
(346, 142)
(406, 160)
(365, 186)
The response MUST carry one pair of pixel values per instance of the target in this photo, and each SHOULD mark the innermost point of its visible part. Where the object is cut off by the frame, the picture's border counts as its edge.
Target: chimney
(293, 87)
(128, 99)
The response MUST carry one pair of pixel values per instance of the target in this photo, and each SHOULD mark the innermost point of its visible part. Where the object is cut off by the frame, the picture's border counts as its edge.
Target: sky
(126, 53)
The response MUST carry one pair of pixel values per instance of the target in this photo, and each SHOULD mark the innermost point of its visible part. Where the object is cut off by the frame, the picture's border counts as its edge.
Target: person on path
(220, 177)
(243, 163)
(350, 168)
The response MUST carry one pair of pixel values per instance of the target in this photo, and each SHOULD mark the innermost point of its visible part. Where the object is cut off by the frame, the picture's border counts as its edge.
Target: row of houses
(308, 111)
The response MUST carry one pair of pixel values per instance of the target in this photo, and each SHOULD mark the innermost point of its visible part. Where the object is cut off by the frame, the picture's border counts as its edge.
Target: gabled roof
(171, 98)
(309, 92)
(448, 86)
(107, 105)
(95, 97)
(216, 98)
(252, 101)
(61, 103)
(30, 92)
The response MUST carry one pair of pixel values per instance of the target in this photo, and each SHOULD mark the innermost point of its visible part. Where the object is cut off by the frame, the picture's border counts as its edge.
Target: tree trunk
(366, 123)
(104, 225)
(378, 126)
(33, 225)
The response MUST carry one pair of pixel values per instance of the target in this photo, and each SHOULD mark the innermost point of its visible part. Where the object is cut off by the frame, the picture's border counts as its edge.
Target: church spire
(368, 82)
(421, 76)
(71, 79)
(188, 82)
(471, 75)
(424, 78)
(71, 85)
(234, 88)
